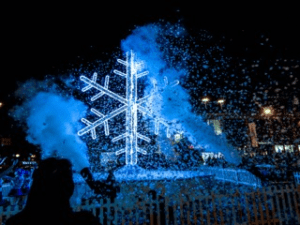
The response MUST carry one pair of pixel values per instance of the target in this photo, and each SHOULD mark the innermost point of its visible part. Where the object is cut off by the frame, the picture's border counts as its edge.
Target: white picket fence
(238, 176)
(267, 205)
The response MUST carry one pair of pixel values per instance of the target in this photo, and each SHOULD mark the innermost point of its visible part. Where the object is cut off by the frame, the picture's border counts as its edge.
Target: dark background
(44, 38)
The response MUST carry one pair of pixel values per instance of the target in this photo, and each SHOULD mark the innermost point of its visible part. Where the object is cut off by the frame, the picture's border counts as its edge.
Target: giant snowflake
(131, 104)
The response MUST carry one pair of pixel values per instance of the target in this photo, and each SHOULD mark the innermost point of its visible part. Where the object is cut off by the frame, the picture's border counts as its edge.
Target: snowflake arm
(106, 128)
(93, 131)
(101, 93)
(142, 74)
(121, 151)
(142, 151)
(94, 78)
(140, 136)
(120, 73)
(92, 83)
(143, 99)
(120, 137)
(97, 123)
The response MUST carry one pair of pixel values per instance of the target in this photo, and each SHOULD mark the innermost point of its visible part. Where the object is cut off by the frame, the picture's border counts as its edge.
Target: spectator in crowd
(49, 195)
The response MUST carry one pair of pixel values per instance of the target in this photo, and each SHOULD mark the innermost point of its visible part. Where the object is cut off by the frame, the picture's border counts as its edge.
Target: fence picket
(207, 211)
(247, 208)
(166, 210)
(233, 209)
(240, 212)
(194, 211)
(101, 211)
(188, 213)
(201, 212)
(181, 212)
(266, 204)
(271, 193)
(288, 195)
(151, 212)
(278, 205)
(137, 212)
(116, 210)
(156, 203)
(214, 206)
(283, 203)
(296, 200)
(130, 216)
(123, 216)
(221, 211)
(260, 205)
(254, 207)
(174, 214)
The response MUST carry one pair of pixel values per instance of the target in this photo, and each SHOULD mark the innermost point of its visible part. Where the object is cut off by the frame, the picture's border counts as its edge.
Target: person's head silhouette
(49, 195)
(52, 185)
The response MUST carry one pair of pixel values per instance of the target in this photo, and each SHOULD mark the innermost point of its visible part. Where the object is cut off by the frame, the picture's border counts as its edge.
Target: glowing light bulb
(267, 111)
(221, 101)
(205, 100)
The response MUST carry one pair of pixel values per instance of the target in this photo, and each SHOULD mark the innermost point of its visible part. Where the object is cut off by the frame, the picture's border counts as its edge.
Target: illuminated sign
(29, 162)
(206, 155)
(217, 126)
(252, 134)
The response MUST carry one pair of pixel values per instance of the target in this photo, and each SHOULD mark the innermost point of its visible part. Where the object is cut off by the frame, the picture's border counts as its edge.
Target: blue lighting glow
(131, 104)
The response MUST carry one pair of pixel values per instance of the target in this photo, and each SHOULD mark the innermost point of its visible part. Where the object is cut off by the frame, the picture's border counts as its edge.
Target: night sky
(46, 39)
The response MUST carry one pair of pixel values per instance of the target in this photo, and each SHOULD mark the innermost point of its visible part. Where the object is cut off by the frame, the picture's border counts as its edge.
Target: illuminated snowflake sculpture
(131, 104)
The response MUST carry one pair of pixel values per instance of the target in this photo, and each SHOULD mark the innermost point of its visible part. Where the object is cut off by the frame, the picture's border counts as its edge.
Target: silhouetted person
(49, 195)
(101, 189)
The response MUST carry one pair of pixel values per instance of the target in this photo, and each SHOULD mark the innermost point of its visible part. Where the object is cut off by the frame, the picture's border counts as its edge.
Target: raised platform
(136, 173)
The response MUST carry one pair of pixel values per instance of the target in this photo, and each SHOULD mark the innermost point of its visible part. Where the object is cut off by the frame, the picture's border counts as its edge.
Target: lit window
(289, 148)
(278, 148)
(217, 126)
(178, 137)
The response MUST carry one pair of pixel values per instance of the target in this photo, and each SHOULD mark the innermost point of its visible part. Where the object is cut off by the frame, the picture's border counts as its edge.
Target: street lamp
(267, 111)
(221, 102)
(205, 100)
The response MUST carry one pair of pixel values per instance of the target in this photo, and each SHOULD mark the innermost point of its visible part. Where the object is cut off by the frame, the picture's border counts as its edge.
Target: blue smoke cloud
(152, 44)
(53, 122)
(53, 119)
